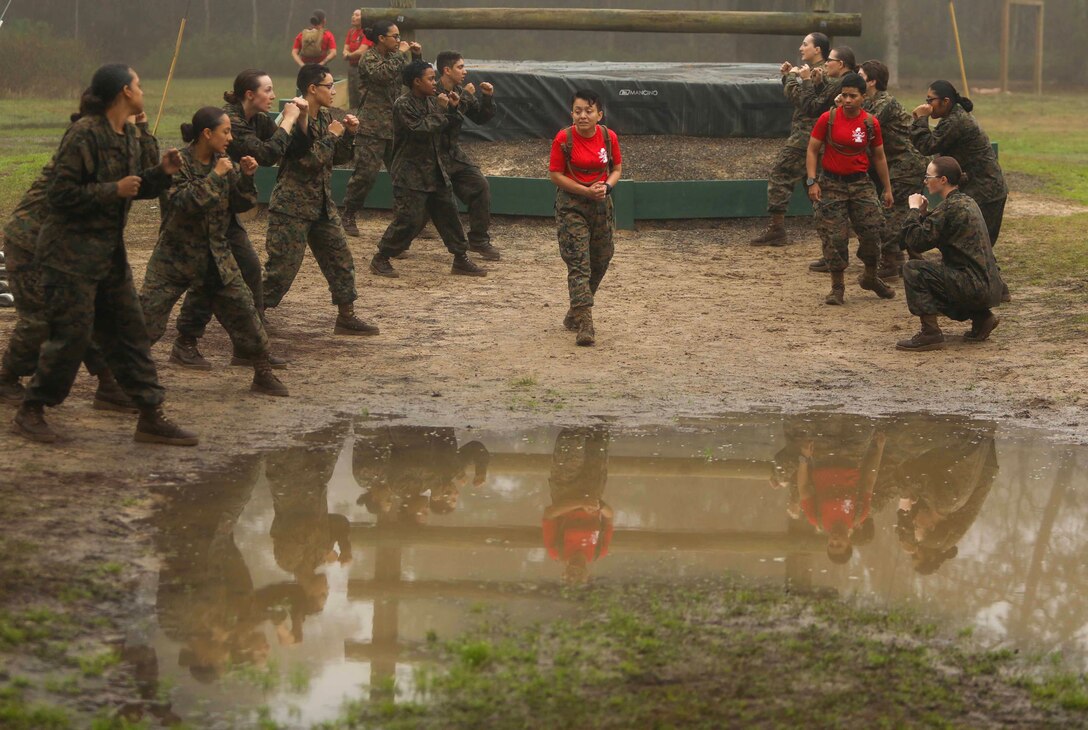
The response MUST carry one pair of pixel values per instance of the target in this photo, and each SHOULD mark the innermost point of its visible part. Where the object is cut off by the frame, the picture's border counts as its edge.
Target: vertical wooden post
(1039, 51)
(1006, 12)
(966, 91)
(405, 34)
(891, 39)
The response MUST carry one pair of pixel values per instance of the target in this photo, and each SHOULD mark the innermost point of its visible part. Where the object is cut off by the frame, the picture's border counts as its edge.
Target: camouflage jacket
(478, 108)
(417, 127)
(260, 138)
(85, 222)
(380, 84)
(201, 205)
(304, 186)
(956, 228)
(904, 162)
(958, 135)
(803, 119)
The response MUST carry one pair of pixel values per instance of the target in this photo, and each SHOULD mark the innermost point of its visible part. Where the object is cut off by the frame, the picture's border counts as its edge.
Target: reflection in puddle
(320, 573)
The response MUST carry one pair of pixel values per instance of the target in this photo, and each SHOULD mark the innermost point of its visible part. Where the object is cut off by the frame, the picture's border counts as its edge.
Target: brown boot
(583, 316)
(485, 251)
(380, 266)
(30, 423)
(929, 338)
(184, 353)
(890, 263)
(465, 266)
(348, 324)
(775, 235)
(348, 221)
(154, 427)
(110, 397)
(981, 327)
(11, 391)
(277, 363)
(838, 288)
(569, 322)
(819, 266)
(871, 282)
(265, 381)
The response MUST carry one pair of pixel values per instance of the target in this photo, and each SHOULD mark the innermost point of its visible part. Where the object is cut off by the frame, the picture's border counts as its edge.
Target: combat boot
(154, 427)
(871, 282)
(890, 263)
(1006, 297)
(30, 423)
(819, 266)
(583, 316)
(775, 235)
(981, 327)
(348, 324)
(569, 322)
(380, 266)
(929, 338)
(838, 288)
(11, 391)
(110, 397)
(276, 363)
(347, 220)
(184, 353)
(486, 250)
(265, 381)
(464, 266)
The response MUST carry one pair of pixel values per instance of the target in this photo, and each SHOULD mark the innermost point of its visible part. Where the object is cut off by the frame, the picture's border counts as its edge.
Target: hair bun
(187, 132)
(230, 97)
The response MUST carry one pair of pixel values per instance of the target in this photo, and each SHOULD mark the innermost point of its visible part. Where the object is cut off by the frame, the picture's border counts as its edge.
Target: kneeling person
(421, 183)
(966, 283)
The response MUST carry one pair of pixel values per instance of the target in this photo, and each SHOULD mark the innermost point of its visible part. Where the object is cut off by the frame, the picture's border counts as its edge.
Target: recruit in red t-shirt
(355, 38)
(582, 532)
(848, 155)
(587, 154)
(837, 495)
(328, 43)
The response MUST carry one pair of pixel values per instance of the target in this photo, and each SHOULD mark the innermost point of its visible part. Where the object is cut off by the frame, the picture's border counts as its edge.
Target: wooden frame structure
(1006, 39)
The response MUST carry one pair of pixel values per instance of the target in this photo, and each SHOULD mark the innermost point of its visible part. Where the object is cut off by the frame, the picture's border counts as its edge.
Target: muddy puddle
(314, 575)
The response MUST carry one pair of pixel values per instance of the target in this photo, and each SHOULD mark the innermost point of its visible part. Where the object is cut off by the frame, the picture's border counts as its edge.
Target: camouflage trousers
(895, 216)
(471, 188)
(993, 213)
(197, 309)
(77, 309)
(370, 154)
(231, 302)
(31, 325)
(787, 171)
(286, 243)
(355, 92)
(933, 288)
(411, 208)
(585, 242)
(844, 205)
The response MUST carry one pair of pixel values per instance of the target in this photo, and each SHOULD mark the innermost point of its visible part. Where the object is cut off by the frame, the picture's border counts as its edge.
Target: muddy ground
(690, 321)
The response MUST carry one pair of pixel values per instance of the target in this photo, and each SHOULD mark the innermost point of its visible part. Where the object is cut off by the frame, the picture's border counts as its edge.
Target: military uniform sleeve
(418, 119)
(247, 143)
(73, 189)
(921, 233)
(243, 192)
(934, 141)
(192, 192)
(480, 108)
(383, 70)
(812, 100)
(344, 148)
(149, 147)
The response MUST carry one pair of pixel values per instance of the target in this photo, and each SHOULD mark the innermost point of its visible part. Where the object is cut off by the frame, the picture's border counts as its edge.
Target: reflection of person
(578, 524)
(943, 490)
(415, 470)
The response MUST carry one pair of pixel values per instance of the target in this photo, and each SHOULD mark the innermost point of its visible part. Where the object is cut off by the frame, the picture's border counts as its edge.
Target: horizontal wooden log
(637, 21)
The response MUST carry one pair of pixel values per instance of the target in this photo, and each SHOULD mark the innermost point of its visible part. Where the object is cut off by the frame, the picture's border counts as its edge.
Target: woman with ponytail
(89, 292)
(253, 134)
(193, 250)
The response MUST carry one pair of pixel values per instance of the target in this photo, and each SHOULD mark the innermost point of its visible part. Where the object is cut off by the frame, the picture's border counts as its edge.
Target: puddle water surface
(316, 574)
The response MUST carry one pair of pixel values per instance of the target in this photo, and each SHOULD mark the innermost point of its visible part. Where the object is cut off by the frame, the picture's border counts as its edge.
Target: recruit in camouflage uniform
(906, 167)
(966, 284)
(789, 166)
(469, 184)
(89, 291)
(264, 141)
(25, 277)
(193, 253)
(380, 79)
(302, 211)
(421, 186)
(959, 136)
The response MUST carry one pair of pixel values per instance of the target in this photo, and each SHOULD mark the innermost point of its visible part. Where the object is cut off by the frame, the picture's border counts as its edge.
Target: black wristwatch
(809, 182)
(607, 189)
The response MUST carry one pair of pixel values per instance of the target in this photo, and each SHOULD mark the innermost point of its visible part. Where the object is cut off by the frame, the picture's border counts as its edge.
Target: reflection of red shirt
(837, 493)
(590, 534)
(852, 136)
(356, 38)
(587, 154)
(328, 43)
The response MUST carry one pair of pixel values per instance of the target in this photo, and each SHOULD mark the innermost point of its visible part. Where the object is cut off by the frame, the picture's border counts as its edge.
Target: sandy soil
(690, 321)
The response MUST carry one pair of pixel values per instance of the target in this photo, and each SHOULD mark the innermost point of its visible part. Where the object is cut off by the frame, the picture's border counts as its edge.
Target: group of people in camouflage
(868, 173)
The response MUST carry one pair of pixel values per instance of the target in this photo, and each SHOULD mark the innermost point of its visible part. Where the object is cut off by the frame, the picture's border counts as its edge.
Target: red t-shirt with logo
(852, 138)
(589, 534)
(587, 154)
(837, 494)
(356, 38)
(328, 43)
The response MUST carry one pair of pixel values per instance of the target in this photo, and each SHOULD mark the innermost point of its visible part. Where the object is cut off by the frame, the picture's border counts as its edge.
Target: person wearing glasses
(301, 210)
(380, 84)
(843, 195)
(966, 283)
(958, 135)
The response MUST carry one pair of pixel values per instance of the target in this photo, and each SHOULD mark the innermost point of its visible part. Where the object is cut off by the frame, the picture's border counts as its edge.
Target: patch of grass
(526, 381)
(96, 665)
(17, 714)
(1066, 690)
